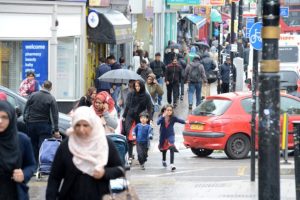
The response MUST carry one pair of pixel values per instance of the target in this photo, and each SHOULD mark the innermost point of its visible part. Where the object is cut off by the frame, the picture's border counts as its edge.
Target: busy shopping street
(149, 99)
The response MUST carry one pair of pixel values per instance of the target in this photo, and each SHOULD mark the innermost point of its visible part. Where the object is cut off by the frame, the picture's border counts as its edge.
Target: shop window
(117, 50)
(68, 63)
(11, 64)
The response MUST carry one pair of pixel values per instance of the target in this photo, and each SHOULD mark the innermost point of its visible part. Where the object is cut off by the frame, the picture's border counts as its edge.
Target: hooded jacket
(208, 63)
(225, 72)
(195, 63)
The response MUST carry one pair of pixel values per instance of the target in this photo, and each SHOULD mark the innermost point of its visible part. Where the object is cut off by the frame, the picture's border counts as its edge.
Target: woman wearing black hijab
(16, 157)
(137, 102)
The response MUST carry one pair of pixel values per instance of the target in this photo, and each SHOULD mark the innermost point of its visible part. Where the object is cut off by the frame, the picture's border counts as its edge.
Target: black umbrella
(201, 45)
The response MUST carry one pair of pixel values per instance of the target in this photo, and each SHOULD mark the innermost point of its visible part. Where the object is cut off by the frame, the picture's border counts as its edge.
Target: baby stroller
(121, 145)
(120, 142)
(46, 156)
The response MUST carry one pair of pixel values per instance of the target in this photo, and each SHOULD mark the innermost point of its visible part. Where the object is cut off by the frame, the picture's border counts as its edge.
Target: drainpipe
(52, 68)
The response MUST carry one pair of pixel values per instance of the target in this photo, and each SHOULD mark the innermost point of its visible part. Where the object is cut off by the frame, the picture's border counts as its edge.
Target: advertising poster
(35, 58)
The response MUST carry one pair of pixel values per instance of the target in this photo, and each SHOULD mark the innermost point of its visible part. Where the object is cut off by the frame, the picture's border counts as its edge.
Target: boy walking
(142, 132)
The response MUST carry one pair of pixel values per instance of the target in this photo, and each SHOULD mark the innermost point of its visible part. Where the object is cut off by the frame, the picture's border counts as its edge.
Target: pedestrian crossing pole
(269, 102)
(232, 39)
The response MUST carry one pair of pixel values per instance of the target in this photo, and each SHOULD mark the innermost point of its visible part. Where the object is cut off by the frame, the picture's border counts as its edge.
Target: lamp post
(269, 102)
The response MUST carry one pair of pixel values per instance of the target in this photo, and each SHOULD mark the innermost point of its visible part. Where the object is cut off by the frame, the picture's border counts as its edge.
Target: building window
(11, 64)
(68, 62)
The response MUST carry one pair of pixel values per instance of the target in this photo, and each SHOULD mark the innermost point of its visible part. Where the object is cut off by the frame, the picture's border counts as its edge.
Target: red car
(222, 122)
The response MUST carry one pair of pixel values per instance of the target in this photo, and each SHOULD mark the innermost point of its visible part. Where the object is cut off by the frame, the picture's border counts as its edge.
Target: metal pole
(297, 156)
(240, 35)
(269, 102)
(253, 116)
(219, 56)
(284, 138)
(232, 38)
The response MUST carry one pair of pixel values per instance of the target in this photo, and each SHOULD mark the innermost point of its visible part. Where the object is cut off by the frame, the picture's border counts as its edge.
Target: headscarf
(104, 97)
(139, 100)
(193, 50)
(91, 153)
(27, 87)
(9, 144)
(3, 96)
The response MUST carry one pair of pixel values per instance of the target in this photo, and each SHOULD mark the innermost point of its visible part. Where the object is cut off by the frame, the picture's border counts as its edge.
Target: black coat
(173, 73)
(77, 185)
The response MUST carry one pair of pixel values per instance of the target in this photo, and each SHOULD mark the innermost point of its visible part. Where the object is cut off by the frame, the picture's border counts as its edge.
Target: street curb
(285, 168)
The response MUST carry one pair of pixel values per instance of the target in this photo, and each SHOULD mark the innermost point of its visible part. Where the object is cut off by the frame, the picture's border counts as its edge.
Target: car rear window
(212, 107)
(288, 54)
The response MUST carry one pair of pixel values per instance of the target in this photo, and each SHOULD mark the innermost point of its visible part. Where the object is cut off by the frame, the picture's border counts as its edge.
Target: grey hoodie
(194, 64)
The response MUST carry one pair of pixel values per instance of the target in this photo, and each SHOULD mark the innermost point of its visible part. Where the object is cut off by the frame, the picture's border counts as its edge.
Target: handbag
(211, 76)
(128, 192)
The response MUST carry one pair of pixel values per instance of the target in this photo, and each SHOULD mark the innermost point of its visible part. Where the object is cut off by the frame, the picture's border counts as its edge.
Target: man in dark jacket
(182, 64)
(227, 70)
(209, 66)
(172, 78)
(116, 88)
(40, 114)
(144, 70)
(158, 68)
(102, 69)
(113, 63)
(195, 75)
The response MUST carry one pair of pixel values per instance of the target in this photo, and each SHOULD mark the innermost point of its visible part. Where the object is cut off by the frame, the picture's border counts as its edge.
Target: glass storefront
(120, 50)
(18, 56)
(11, 64)
(68, 60)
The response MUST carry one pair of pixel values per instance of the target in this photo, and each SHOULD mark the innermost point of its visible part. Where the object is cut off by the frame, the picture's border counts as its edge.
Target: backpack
(195, 74)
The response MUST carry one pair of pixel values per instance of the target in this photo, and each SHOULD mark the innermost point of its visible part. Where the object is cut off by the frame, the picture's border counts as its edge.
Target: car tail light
(298, 83)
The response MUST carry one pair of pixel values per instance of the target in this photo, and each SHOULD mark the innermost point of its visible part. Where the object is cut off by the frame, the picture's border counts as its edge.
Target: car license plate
(197, 127)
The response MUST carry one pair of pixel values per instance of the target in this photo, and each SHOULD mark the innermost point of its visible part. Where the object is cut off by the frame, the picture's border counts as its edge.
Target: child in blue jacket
(167, 134)
(142, 133)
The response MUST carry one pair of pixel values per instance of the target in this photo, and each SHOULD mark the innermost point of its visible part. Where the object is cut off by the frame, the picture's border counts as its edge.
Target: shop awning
(111, 27)
(199, 21)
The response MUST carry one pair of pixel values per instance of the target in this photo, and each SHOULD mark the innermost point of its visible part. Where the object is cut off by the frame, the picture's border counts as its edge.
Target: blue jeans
(160, 81)
(192, 88)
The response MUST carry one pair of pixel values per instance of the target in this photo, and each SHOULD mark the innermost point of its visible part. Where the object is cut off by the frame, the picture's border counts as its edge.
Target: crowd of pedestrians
(87, 156)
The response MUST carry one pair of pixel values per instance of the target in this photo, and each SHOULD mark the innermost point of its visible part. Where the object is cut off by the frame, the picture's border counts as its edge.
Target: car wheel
(238, 146)
(202, 152)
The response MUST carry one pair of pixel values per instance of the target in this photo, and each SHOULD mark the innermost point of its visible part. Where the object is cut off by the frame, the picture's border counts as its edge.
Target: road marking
(241, 171)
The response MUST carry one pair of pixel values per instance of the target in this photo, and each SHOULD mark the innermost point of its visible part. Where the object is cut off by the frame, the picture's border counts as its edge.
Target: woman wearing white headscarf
(86, 161)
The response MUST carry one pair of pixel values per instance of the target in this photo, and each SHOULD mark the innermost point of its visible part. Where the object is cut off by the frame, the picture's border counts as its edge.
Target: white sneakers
(172, 167)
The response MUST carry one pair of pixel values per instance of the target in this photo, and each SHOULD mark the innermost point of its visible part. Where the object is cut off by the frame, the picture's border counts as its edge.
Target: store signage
(101, 3)
(35, 58)
(93, 19)
(149, 9)
(183, 2)
(217, 2)
(200, 10)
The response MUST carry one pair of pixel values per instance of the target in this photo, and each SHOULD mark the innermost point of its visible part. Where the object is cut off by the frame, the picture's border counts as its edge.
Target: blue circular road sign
(255, 36)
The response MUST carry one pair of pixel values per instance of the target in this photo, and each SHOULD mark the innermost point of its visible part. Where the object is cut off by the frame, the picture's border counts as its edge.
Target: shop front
(108, 33)
(46, 37)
